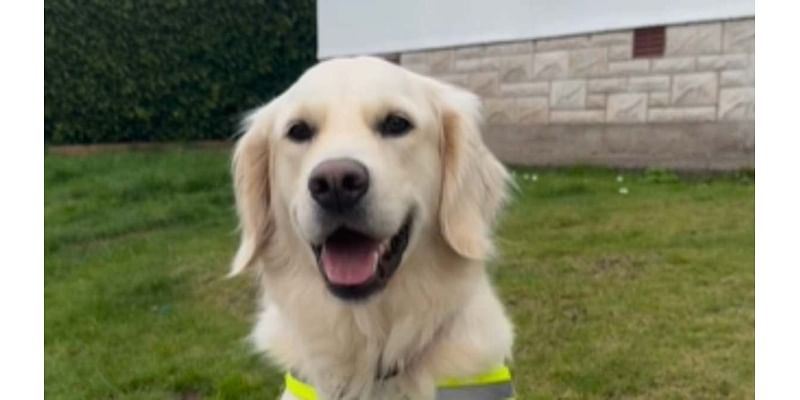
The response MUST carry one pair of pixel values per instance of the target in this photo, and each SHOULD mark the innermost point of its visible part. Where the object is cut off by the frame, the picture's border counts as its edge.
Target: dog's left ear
(474, 182)
(251, 182)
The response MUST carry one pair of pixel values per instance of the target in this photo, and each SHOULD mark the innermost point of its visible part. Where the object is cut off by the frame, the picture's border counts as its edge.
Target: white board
(350, 27)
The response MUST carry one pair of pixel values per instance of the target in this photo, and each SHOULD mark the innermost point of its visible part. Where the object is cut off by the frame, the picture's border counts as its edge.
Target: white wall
(348, 27)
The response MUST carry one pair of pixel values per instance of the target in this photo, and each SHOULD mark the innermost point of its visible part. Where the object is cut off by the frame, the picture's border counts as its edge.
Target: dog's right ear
(251, 181)
(474, 182)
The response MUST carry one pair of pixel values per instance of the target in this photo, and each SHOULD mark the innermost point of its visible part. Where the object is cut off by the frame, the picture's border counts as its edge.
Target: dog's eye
(300, 131)
(394, 125)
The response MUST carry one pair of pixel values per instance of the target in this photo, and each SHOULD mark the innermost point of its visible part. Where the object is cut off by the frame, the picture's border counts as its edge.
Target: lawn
(640, 288)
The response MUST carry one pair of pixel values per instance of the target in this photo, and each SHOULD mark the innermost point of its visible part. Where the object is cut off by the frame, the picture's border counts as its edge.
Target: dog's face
(356, 162)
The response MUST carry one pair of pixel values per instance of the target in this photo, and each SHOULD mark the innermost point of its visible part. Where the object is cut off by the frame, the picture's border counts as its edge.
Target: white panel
(348, 27)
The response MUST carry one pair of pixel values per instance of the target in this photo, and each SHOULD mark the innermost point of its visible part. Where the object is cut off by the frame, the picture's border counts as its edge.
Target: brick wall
(586, 100)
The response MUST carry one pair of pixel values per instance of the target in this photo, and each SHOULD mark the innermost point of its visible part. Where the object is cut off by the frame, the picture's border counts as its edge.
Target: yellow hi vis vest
(494, 385)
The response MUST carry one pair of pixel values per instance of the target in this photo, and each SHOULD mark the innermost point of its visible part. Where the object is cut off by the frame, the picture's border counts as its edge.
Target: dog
(367, 200)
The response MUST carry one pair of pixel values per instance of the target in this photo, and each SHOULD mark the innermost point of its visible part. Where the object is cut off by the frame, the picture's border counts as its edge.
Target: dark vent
(649, 42)
(392, 57)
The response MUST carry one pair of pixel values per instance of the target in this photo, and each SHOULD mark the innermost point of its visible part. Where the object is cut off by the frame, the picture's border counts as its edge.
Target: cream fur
(439, 316)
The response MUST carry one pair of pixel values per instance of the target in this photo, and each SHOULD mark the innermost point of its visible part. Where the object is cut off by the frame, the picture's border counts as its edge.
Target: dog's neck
(416, 332)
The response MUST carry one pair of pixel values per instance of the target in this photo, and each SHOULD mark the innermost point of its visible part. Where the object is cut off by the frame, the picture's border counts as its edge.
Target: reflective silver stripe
(496, 391)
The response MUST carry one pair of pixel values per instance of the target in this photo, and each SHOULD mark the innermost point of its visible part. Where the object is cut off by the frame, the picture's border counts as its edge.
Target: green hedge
(166, 70)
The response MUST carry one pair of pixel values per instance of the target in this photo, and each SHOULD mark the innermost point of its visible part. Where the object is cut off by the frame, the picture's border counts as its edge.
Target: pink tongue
(350, 262)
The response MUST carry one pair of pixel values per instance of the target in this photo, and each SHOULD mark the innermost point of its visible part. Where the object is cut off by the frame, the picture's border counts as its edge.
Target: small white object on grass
(534, 177)
(623, 190)
(620, 178)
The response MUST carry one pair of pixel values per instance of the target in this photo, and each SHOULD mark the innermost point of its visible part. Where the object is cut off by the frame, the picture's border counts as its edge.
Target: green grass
(645, 295)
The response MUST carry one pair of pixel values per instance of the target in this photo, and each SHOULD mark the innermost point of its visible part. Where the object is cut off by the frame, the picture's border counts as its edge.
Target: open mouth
(355, 265)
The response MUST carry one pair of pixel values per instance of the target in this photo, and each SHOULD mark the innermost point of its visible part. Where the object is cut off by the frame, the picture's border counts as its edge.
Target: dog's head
(359, 165)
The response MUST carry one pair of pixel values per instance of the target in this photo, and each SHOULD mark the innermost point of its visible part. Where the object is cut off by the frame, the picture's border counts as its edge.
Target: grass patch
(648, 294)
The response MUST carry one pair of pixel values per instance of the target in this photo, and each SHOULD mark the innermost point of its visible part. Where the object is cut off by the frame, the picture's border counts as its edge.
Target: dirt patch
(190, 396)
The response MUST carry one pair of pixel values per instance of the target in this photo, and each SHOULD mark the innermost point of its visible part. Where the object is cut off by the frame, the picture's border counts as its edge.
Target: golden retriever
(367, 199)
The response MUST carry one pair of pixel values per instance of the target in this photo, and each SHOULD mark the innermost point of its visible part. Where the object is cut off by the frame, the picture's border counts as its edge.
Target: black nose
(337, 185)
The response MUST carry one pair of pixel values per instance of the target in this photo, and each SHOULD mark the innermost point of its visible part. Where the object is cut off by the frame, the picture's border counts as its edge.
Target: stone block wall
(586, 100)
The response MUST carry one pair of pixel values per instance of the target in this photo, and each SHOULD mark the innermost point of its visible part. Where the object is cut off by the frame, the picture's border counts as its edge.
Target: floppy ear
(474, 182)
(251, 180)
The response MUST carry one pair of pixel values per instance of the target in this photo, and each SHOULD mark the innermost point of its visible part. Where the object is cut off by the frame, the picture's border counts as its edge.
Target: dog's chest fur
(417, 337)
